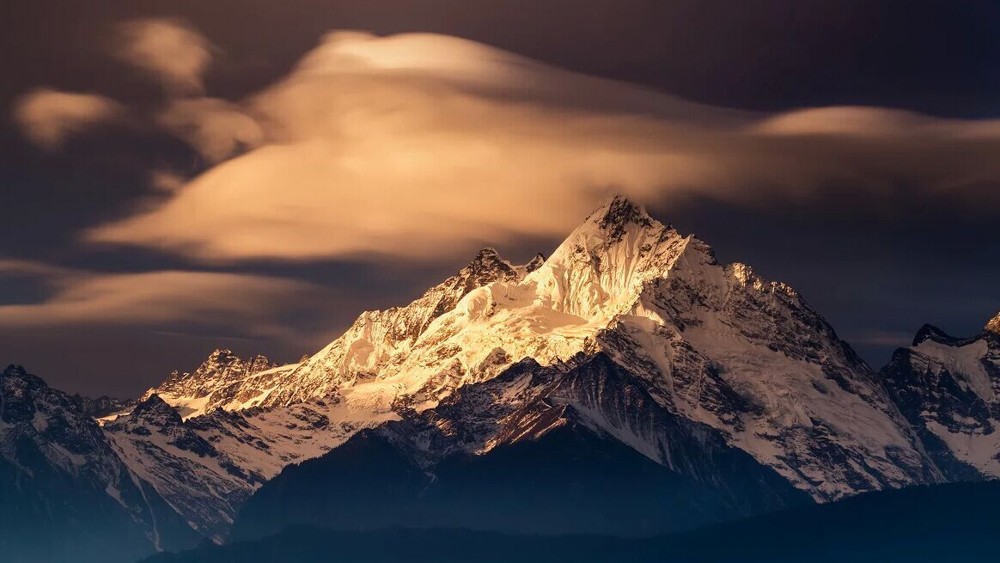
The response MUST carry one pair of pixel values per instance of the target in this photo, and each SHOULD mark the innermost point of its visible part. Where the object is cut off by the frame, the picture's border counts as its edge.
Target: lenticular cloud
(423, 145)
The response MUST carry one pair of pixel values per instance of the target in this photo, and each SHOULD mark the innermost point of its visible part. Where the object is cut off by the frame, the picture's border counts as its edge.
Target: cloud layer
(424, 145)
(48, 117)
(189, 299)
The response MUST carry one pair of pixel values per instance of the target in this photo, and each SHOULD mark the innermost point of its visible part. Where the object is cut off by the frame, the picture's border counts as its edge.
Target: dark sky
(877, 271)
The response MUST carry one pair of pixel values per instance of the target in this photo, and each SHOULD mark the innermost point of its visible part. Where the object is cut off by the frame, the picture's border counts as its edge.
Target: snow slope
(949, 388)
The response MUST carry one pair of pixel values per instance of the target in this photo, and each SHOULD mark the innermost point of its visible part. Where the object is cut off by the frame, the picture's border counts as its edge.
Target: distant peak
(224, 357)
(17, 373)
(488, 254)
(932, 333)
(993, 325)
(154, 407)
(534, 263)
(221, 353)
(153, 401)
(14, 370)
(487, 260)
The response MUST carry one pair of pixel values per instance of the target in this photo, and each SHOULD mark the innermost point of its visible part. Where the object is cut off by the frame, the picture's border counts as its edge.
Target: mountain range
(627, 385)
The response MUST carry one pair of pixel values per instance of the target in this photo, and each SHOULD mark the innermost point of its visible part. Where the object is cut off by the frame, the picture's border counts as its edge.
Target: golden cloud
(48, 117)
(215, 128)
(81, 298)
(422, 145)
(169, 50)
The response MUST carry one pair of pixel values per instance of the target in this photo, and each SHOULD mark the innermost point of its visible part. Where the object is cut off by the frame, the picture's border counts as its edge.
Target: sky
(181, 176)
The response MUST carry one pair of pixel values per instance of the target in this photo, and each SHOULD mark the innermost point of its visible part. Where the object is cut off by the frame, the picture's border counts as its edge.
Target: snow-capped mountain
(949, 389)
(220, 445)
(630, 335)
(743, 364)
(714, 344)
(66, 494)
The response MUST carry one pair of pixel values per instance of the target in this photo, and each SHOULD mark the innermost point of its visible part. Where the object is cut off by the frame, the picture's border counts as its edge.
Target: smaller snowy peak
(487, 256)
(488, 266)
(222, 364)
(949, 389)
(225, 360)
(993, 326)
(155, 410)
(211, 384)
(934, 334)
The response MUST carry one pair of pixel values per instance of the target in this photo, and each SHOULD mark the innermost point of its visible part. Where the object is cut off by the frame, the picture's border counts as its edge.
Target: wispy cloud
(170, 50)
(154, 299)
(215, 128)
(48, 117)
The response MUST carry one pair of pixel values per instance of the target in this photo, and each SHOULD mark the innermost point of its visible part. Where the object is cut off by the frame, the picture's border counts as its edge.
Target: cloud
(878, 337)
(423, 146)
(166, 181)
(48, 117)
(169, 50)
(155, 299)
(215, 128)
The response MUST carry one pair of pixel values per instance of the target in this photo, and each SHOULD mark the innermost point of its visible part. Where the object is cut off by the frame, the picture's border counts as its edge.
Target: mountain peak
(221, 357)
(14, 370)
(487, 257)
(224, 358)
(17, 389)
(154, 404)
(487, 266)
(220, 353)
(617, 213)
(993, 325)
(534, 263)
(17, 373)
(933, 333)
